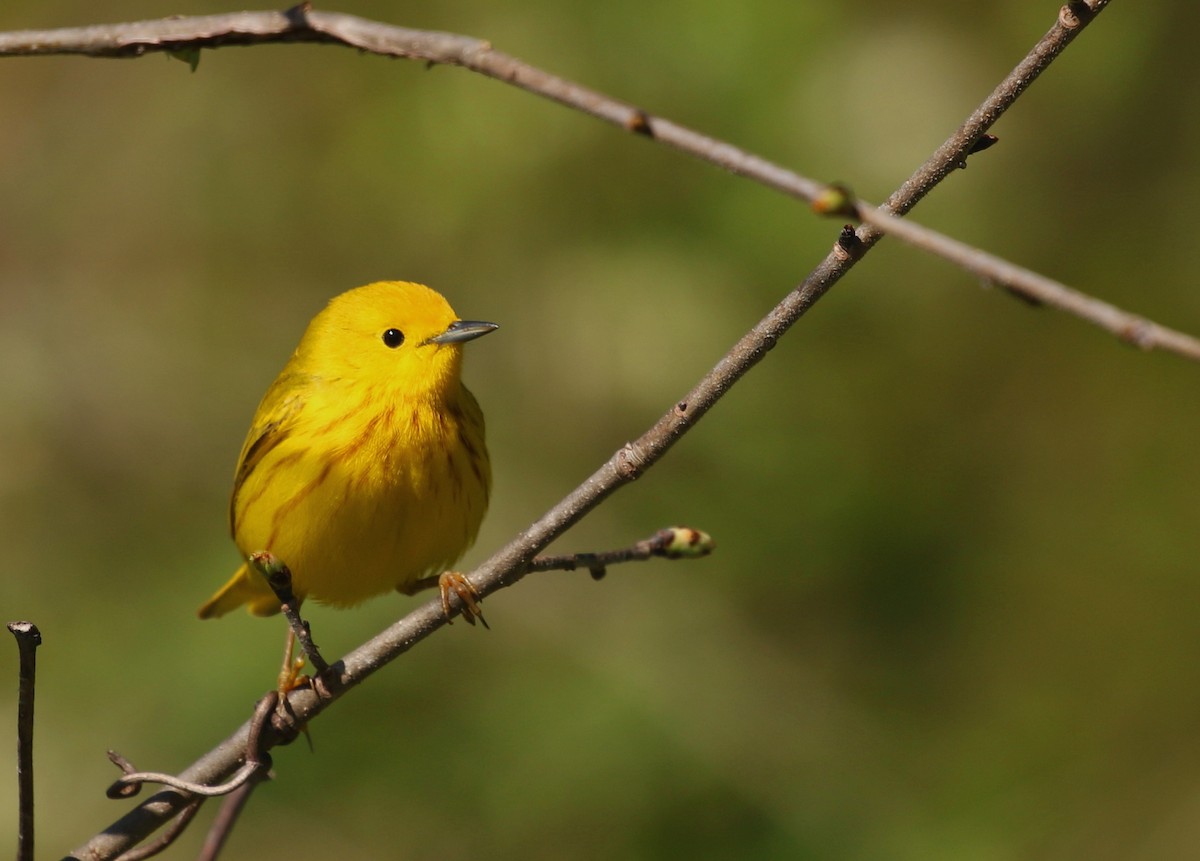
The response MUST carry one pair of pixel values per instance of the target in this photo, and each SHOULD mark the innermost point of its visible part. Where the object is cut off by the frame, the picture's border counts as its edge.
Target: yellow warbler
(365, 467)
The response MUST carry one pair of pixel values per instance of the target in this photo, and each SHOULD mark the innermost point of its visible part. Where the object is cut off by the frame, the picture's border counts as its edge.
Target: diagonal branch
(1130, 328)
(302, 24)
(513, 561)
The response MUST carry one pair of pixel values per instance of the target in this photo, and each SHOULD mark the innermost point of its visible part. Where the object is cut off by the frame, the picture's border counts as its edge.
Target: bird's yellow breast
(386, 492)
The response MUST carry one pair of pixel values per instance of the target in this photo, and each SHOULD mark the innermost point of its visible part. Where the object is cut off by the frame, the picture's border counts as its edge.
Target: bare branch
(28, 639)
(674, 542)
(302, 24)
(1130, 328)
(222, 826)
(1072, 18)
(169, 835)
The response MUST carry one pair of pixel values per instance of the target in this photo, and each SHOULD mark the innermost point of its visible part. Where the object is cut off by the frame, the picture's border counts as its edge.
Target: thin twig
(235, 802)
(28, 639)
(174, 828)
(674, 542)
(1130, 328)
(120, 786)
(255, 759)
(170, 834)
(237, 791)
(302, 24)
(279, 578)
(226, 819)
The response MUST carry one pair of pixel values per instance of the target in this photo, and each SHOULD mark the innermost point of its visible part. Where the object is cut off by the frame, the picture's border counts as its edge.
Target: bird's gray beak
(461, 331)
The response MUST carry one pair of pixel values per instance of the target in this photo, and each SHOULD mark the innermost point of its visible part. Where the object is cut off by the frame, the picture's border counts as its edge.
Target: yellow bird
(365, 468)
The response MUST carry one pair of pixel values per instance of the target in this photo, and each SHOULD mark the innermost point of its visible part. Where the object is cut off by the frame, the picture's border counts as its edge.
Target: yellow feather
(365, 466)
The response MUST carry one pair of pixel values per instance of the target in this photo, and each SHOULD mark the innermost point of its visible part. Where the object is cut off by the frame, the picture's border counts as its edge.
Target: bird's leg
(468, 597)
(289, 674)
(451, 582)
(291, 678)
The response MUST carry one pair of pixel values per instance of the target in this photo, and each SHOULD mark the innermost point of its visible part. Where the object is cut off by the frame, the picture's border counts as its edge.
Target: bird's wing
(273, 422)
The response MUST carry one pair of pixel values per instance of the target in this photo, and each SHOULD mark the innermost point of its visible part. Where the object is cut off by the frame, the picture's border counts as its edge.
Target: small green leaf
(191, 56)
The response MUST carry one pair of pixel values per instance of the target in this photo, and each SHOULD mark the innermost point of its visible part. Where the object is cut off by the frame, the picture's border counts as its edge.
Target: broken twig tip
(26, 632)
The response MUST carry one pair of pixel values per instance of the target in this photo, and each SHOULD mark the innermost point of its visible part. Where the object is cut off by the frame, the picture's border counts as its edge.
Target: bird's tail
(244, 587)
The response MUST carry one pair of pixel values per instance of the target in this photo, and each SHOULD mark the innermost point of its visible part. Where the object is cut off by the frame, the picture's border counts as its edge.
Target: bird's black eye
(393, 338)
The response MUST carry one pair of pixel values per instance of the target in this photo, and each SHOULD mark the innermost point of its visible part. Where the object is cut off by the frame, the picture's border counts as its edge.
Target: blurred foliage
(952, 609)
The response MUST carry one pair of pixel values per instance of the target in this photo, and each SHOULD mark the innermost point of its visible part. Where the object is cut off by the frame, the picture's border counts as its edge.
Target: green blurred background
(952, 614)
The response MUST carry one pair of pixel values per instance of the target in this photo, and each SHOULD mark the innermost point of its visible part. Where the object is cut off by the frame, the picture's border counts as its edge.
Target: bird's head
(392, 333)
